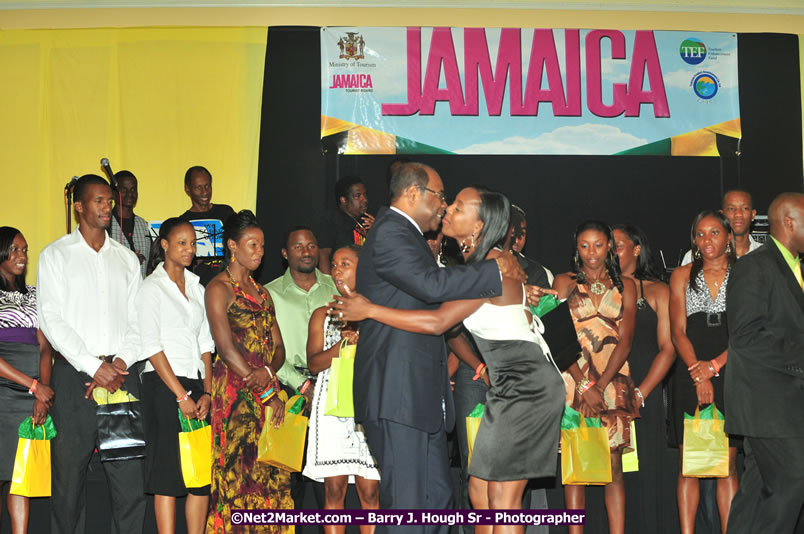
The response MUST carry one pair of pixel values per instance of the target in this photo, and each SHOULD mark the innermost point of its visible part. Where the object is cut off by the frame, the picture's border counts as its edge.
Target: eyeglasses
(441, 196)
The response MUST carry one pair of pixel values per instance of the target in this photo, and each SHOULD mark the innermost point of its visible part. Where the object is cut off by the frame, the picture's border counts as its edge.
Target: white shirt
(408, 217)
(172, 324)
(752, 246)
(85, 301)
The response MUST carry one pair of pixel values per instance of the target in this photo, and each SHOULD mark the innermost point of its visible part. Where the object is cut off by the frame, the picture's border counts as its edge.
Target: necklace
(263, 313)
(596, 286)
(358, 223)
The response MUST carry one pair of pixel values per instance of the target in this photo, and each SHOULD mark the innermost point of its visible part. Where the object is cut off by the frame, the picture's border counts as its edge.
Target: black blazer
(764, 382)
(401, 376)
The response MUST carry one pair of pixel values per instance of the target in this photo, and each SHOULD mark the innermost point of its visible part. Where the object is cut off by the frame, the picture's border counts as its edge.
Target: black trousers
(71, 451)
(414, 470)
(771, 493)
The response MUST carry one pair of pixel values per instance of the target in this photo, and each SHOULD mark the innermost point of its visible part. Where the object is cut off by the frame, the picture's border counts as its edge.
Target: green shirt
(791, 260)
(294, 306)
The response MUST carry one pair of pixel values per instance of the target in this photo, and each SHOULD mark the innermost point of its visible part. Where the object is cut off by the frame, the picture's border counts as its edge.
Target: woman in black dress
(700, 335)
(519, 431)
(25, 363)
(650, 492)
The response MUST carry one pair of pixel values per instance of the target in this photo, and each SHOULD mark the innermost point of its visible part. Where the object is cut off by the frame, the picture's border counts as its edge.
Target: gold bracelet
(582, 386)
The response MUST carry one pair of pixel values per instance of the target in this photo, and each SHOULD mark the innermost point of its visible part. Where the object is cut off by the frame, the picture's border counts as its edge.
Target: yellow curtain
(154, 101)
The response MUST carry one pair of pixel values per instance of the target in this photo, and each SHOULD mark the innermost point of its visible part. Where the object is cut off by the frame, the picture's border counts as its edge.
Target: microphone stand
(118, 196)
(68, 201)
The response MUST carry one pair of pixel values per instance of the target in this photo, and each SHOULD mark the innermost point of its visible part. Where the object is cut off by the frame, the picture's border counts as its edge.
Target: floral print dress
(239, 481)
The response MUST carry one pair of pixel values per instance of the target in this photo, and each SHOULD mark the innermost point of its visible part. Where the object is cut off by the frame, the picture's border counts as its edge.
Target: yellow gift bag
(195, 452)
(706, 446)
(631, 457)
(31, 477)
(472, 424)
(585, 456)
(340, 401)
(283, 447)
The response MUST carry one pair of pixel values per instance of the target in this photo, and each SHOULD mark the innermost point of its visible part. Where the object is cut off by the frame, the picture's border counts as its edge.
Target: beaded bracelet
(641, 398)
(184, 397)
(266, 397)
(584, 385)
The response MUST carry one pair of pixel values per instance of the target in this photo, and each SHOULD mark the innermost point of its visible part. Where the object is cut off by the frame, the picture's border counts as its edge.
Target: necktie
(797, 274)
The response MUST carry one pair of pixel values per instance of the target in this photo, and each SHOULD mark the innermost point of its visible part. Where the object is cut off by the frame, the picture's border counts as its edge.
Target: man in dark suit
(764, 392)
(401, 394)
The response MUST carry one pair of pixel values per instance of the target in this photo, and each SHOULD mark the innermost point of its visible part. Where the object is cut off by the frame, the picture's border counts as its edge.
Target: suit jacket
(764, 382)
(401, 376)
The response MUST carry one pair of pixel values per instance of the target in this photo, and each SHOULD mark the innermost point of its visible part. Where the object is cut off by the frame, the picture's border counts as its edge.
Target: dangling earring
(728, 249)
(466, 248)
(233, 257)
(697, 254)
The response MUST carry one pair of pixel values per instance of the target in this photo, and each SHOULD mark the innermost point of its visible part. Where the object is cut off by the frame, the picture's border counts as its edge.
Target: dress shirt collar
(788, 256)
(161, 275)
(78, 238)
(408, 217)
(289, 282)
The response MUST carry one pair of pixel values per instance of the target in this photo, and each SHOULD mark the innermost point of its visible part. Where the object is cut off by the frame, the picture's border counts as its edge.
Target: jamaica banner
(527, 91)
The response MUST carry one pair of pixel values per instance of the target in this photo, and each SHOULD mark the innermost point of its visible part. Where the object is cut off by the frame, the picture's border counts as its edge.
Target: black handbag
(120, 431)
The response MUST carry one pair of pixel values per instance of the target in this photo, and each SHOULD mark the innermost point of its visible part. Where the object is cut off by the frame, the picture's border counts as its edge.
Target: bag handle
(44, 430)
(584, 429)
(696, 419)
(200, 423)
(344, 344)
(716, 419)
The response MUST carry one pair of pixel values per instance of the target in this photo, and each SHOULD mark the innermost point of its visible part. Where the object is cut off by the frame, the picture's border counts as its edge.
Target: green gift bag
(547, 304)
(472, 424)
(706, 446)
(585, 455)
(31, 475)
(340, 402)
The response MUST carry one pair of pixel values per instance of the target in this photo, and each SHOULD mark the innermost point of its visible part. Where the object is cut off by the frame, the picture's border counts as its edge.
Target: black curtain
(660, 194)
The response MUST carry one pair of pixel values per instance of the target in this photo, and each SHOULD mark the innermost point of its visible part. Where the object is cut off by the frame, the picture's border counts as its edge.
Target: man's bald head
(786, 218)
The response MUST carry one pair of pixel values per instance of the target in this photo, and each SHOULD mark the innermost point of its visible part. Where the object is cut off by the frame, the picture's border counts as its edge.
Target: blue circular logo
(692, 51)
(705, 85)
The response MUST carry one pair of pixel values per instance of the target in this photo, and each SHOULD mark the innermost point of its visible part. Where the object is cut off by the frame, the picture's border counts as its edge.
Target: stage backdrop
(527, 91)
(153, 100)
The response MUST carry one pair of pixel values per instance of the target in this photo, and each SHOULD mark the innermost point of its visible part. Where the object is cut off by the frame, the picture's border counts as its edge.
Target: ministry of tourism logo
(693, 51)
(352, 46)
(705, 85)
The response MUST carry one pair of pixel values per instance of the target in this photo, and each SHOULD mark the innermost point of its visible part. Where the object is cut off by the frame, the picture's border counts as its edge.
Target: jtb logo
(693, 51)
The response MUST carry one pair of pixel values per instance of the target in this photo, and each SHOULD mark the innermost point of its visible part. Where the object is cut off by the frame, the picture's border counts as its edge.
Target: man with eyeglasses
(402, 395)
(347, 225)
